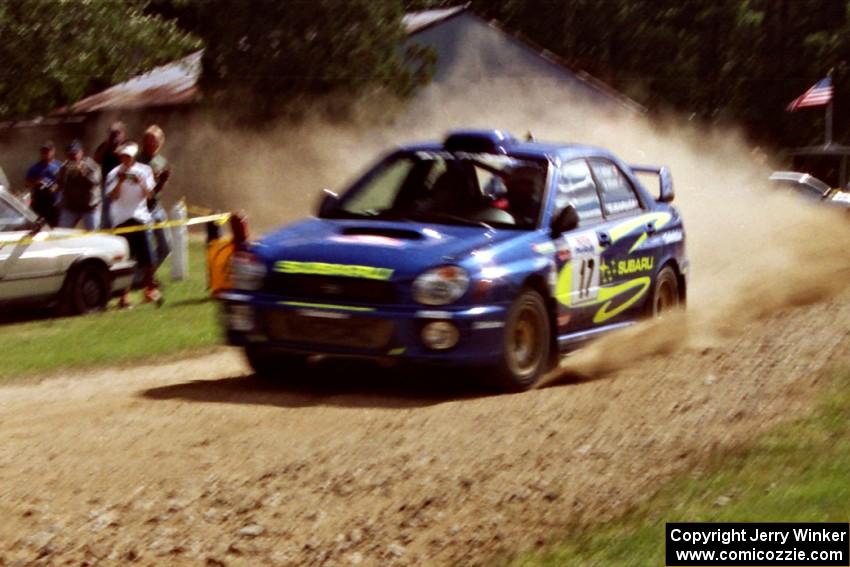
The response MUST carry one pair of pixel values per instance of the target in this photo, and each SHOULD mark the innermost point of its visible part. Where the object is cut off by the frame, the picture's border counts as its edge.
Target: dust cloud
(753, 252)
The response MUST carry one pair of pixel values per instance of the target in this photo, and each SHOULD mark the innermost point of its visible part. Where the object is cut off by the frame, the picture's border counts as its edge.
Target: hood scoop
(398, 233)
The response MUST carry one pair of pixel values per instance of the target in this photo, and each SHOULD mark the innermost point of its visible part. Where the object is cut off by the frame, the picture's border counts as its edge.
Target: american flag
(818, 95)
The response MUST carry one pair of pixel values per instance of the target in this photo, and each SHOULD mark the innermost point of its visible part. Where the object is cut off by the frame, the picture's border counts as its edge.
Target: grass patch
(186, 322)
(797, 473)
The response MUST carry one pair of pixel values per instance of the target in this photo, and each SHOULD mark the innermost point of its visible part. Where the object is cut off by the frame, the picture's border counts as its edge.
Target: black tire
(87, 289)
(665, 293)
(270, 365)
(525, 353)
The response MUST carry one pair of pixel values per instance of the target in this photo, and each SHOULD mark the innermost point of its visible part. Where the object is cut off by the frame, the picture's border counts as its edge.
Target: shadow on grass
(332, 383)
(25, 313)
(191, 301)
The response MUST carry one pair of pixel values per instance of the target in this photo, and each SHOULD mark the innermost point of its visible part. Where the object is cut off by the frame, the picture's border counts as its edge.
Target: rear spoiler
(665, 180)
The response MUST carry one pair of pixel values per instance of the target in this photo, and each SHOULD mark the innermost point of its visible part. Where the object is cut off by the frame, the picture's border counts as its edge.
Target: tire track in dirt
(192, 461)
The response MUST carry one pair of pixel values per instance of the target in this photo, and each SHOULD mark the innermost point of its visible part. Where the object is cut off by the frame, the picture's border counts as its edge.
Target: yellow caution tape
(220, 218)
(204, 211)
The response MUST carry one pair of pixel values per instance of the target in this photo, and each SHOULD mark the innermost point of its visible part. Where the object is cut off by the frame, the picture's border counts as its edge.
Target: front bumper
(384, 332)
(122, 276)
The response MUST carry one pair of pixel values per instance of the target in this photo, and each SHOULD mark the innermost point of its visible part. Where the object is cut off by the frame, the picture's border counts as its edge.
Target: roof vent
(479, 141)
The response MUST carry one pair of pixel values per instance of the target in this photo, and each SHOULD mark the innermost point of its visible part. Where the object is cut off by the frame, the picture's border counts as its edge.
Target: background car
(482, 251)
(829, 163)
(76, 271)
(810, 187)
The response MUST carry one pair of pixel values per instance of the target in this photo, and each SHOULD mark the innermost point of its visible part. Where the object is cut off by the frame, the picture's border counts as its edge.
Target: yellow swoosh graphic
(607, 295)
(627, 227)
(638, 242)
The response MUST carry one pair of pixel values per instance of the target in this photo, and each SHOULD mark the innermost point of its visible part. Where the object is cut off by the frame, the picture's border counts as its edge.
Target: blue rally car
(482, 251)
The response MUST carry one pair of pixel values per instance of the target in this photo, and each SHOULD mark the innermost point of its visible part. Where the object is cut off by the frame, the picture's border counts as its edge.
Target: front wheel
(665, 293)
(527, 342)
(86, 290)
(270, 365)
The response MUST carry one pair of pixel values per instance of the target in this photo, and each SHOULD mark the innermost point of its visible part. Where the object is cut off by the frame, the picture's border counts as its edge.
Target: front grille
(351, 332)
(330, 288)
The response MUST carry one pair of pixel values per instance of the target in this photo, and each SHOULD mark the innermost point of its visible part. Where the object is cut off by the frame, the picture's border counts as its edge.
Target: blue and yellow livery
(480, 251)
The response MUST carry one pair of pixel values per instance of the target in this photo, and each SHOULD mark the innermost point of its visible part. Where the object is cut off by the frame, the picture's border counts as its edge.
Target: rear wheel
(87, 289)
(527, 343)
(270, 365)
(665, 293)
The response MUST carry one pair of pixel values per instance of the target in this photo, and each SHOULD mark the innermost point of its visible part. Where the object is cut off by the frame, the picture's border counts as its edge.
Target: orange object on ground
(219, 252)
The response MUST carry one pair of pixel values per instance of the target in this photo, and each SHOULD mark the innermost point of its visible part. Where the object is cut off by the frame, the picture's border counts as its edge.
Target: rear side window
(618, 195)
(576, 188)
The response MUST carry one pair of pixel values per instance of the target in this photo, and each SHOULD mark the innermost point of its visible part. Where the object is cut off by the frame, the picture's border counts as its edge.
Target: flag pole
(828, 125)
(828, 118)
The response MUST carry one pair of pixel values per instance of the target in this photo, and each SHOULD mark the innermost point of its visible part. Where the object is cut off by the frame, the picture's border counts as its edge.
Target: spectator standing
(152, 141)
(129, 186)
(41, 181)
(78, 186)
(106, 155)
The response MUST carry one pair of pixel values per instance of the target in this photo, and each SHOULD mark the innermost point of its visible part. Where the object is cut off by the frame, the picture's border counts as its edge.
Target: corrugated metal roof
(166, 85)
(177, 83)
(416, 21)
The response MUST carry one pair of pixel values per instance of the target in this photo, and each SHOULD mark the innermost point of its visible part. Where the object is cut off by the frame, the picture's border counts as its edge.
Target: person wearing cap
(106, 155)
(152, 141)
(78, 187)
(41, 181)
(129, 186)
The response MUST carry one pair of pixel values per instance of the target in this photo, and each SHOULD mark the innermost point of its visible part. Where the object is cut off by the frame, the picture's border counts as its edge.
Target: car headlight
(441, 286)
(247, 271)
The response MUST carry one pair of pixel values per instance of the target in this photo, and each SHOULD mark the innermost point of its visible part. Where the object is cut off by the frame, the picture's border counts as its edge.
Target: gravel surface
(195, 462)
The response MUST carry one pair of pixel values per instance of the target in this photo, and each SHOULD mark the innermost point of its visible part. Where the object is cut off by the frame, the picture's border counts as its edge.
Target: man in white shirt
(129, 186)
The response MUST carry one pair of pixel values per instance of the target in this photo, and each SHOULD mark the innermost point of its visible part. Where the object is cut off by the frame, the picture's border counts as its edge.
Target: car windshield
(10, 218)
(451, 188)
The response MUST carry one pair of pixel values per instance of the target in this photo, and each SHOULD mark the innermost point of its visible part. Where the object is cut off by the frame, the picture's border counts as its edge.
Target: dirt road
(193, 463)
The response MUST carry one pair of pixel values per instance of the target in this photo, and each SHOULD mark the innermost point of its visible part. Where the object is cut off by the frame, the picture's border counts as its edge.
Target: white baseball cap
(128, 149)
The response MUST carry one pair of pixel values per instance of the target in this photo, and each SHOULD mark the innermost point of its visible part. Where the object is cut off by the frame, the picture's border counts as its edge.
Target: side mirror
(564, 221)
(328, 203)
(666, 194)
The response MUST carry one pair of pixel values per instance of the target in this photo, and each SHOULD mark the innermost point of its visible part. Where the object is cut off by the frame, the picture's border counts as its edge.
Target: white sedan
(77, 271)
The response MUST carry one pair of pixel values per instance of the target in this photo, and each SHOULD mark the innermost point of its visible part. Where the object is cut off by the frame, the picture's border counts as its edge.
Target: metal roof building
(167, 85)
(472, 50)
(473, 56)
(469, 49)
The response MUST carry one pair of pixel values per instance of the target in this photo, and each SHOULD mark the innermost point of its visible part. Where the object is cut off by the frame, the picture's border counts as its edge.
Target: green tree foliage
(55, 52)
(739, 61)
(267, 54)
